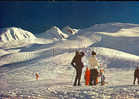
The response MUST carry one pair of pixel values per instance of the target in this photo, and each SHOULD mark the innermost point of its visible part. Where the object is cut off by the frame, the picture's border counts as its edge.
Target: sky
(39, 16)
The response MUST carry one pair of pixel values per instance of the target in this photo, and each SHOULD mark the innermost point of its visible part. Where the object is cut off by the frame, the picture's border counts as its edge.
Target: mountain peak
(14, 33)
(54, 33)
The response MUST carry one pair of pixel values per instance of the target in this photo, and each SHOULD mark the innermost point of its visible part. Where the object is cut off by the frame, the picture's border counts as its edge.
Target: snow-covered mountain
(119, 36)
(68, 30)
(111, 27)
(125, 37)
(54, 33)
(15, 37)
(13, 33)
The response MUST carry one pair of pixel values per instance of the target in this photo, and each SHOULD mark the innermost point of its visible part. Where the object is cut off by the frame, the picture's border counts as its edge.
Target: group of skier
(93, 71)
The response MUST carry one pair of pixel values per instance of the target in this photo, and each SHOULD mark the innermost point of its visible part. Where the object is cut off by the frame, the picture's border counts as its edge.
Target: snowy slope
(124, 39)
(3, 52)
(51, 60)
(111, 27)
(6, 52)
(126, 44)
(119, 36)
(79, 42)
(21, 79)
(116, 59)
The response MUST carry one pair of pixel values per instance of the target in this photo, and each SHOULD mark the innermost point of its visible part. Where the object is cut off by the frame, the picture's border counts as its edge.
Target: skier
(93, 68)
(102, 76)
(37, 76)
(78, 65)
(136, 75)
(87, 76)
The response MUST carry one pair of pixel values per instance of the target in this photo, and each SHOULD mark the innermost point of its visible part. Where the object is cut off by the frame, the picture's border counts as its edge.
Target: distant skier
(78, 65)
(136, 75)
(102, 76)
(37, 76)
(93, 69)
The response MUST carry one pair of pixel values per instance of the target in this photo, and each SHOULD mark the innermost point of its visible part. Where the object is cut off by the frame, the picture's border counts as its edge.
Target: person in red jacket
(37, 76)
(78, 65)
(87, 76)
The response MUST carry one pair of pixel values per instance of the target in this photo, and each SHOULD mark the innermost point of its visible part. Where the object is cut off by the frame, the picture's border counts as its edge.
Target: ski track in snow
(95, 92)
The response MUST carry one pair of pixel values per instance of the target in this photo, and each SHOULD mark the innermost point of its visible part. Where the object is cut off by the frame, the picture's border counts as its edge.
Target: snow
(111, 27)
(132, 32)
(119, 36)
(51, 59)
(13, 37)
(13, 33)
(54, 33)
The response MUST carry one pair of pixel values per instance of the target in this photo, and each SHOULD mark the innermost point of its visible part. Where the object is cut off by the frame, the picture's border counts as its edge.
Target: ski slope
(51, 59)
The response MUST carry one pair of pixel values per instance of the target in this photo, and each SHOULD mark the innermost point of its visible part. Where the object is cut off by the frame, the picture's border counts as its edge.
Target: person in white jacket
(93, 66)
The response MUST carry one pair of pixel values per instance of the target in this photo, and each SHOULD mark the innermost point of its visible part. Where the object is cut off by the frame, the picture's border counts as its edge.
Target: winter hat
(93, 53)
(82, 53)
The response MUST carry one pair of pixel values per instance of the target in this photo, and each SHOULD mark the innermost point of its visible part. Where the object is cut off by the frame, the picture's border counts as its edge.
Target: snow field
(51, 56)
